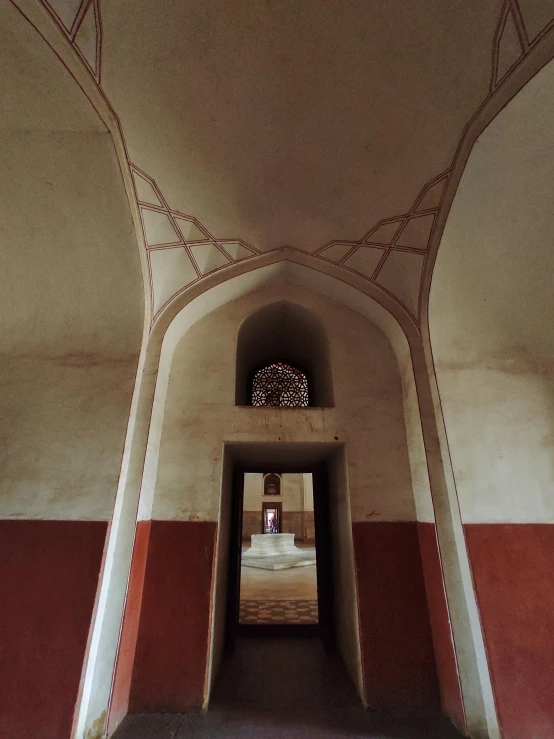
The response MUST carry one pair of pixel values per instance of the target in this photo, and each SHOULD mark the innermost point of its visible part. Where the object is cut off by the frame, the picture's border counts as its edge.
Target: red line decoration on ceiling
(392, 254)
(80, 21)
(408, 233)
(167, 230)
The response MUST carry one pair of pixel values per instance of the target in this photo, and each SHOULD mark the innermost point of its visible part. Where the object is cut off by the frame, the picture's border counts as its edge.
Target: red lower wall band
(49, 576)
(171, 657)
(513, 574)
(48, 580)
(397, 650)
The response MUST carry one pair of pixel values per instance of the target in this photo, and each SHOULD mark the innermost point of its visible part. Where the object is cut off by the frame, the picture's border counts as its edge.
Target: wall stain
(514, 362)
(90, 359)
(78, 358)
(96, 731)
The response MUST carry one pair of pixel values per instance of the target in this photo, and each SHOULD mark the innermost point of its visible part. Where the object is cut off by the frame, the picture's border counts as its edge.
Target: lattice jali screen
(279, 384)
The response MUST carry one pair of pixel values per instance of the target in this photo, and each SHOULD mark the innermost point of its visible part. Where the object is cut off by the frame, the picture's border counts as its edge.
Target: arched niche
(284, 332)
(265, 272)
(272, 484)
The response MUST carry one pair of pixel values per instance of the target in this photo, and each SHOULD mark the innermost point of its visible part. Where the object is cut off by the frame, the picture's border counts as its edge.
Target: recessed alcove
(284, 332)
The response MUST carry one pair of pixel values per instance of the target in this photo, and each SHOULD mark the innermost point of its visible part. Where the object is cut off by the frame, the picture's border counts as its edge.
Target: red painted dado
(445, 658)
(513, 573)
(397, 650)
(48, 580)
(172, 648)
(127, 646)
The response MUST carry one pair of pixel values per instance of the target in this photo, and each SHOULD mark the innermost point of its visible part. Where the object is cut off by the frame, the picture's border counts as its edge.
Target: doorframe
(325, 628)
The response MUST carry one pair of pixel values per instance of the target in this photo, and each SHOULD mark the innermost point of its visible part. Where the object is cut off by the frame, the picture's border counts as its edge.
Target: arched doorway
(206, 400)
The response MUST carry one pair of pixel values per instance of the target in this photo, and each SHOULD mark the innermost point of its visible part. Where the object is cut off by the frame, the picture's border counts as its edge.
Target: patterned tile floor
(278, 612)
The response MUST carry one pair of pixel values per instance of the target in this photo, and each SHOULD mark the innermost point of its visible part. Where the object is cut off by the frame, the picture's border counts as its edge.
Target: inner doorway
(278, 571)
(271, 518)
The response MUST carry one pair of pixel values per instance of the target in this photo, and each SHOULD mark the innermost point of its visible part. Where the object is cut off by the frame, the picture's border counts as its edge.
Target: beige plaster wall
(200, 414)
(292, 492)
(71, 324)
(71, 297)
(297, 515)
(491, 316)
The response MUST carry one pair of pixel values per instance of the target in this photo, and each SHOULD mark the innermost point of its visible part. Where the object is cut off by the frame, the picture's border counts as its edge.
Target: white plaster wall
(344, 571)
(200, 414)
(491, 316)
(416, 449)
(219, 593)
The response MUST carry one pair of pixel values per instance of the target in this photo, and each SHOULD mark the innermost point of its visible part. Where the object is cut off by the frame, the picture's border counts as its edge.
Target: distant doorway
(271, 518)
(280, 572)
(278, 582)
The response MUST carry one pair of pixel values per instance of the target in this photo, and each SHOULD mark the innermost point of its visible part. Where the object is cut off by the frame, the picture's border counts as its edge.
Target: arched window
(272, 485)
(283, 359)
(280, 384)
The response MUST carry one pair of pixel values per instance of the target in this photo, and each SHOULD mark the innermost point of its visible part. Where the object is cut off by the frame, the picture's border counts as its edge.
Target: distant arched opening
(272, 484)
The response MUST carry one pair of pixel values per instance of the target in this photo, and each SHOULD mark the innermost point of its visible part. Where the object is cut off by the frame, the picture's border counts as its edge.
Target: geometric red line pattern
(82, 25)
(520, 27)
(510, 43)
(231, 250)
(396, 229)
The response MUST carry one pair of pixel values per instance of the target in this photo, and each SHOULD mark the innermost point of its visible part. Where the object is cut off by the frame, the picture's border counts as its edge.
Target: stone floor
(281, 596)
(283, 689)
(298, 583)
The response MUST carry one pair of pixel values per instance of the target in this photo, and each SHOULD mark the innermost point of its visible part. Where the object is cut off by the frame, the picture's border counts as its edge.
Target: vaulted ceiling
(329, 127)
(286, 122)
